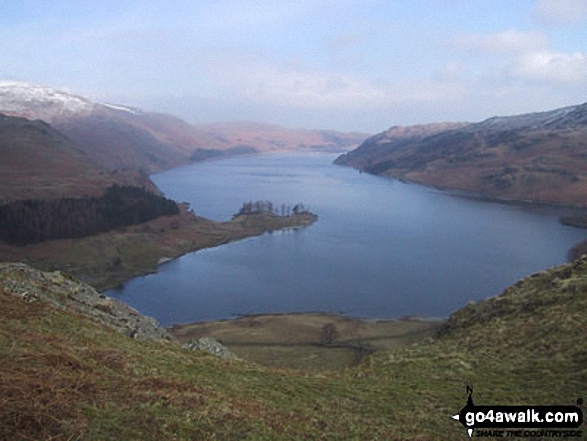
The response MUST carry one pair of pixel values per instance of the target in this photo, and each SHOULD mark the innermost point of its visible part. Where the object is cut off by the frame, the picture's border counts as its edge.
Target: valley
(120, 138)
(383, 247)
(55, 145)
(291, 221)
(314, 342)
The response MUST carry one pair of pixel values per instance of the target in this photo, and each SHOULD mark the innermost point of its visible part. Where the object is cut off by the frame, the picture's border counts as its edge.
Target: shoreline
(573, 216)
(247, 231)
(570, 215)
(469, 194)
(108, 260)
(329, 314)
(318, 341)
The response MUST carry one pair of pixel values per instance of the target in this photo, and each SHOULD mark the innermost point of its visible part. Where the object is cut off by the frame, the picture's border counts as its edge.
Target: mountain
(273, 138)
(537, 156)
(374, 148)
(115, 137)
(68, 370)
(125, 138)
(39, 162)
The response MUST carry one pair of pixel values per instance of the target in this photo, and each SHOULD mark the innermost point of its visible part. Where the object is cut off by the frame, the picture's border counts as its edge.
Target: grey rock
(64, 292)
(211, 346)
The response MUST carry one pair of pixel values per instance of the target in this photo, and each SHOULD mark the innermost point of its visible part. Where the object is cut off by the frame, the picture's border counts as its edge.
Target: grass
(65, 377)
(309, 341)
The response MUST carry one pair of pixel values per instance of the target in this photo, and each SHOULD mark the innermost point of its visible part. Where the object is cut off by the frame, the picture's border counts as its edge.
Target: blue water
(381, 248)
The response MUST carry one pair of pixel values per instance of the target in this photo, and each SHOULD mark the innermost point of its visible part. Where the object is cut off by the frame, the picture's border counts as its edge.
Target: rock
(211, 346)
(64, 292)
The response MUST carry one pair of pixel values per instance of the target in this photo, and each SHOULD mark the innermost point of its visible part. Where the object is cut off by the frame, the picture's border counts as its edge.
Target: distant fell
(538, 156)
(119, 137)
(274, 138)
(396, 137)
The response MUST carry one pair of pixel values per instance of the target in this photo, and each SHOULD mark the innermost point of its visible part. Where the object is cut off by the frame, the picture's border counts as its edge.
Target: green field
(309, 341)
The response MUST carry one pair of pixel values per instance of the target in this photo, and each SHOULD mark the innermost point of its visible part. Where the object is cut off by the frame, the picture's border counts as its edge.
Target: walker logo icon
(520, 421)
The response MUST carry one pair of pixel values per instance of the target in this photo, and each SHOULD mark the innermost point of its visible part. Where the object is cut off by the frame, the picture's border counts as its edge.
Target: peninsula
(108, 259)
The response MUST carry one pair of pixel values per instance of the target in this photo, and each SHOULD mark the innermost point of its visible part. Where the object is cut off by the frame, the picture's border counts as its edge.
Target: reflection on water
(381, 248)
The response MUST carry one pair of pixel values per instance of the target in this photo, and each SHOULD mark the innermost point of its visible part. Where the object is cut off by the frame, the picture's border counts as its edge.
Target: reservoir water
(381, 248)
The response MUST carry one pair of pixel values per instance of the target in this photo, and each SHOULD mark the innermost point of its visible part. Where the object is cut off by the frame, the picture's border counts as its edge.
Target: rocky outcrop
(64, 292)
(211, 346)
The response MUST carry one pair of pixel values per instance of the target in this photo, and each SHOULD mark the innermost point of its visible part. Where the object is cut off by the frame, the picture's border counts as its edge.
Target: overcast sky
(349, 65)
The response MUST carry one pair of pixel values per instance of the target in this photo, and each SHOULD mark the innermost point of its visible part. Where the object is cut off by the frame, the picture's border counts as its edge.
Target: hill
(115, 137)
(268, 138)
(539, 156)
(39, 162)
(119, 137)
(66, 375)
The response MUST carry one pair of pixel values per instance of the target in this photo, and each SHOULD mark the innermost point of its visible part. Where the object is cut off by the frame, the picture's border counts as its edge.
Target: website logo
(520, 421)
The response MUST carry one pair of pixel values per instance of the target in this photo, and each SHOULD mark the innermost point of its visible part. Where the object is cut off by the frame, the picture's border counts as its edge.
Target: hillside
(377, 147)
(125, 138)
(65, 376)
(39, 162)
(115, 137)
(268, 138)
(540, 156)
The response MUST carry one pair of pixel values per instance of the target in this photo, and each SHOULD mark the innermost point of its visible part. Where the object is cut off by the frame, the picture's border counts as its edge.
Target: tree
(30, 221)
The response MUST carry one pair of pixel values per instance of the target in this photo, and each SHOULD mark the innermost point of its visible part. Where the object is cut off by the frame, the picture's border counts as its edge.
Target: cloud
(560, 11)
(298, 87)
(510, 41)
(266, 81)
(525, 55)
(552, 66)
(451, 70)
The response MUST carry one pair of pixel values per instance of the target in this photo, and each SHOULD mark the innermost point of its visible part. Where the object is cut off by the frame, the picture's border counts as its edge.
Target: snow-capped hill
(119, 137)
(536, 156)
(113, 136)
(528, 121)
(34, 101)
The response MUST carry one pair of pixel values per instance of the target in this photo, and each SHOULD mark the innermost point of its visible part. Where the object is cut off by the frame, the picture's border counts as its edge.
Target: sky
(350, 65)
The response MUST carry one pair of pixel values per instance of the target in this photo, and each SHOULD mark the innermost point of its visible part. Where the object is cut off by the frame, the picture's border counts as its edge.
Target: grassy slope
(62, 375)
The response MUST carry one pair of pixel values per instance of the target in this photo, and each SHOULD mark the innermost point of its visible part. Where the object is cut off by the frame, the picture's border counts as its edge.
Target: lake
(381, 248)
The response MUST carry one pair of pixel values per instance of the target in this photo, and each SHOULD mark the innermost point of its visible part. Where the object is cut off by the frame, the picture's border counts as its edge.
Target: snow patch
(40, 101)
(124, 109)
